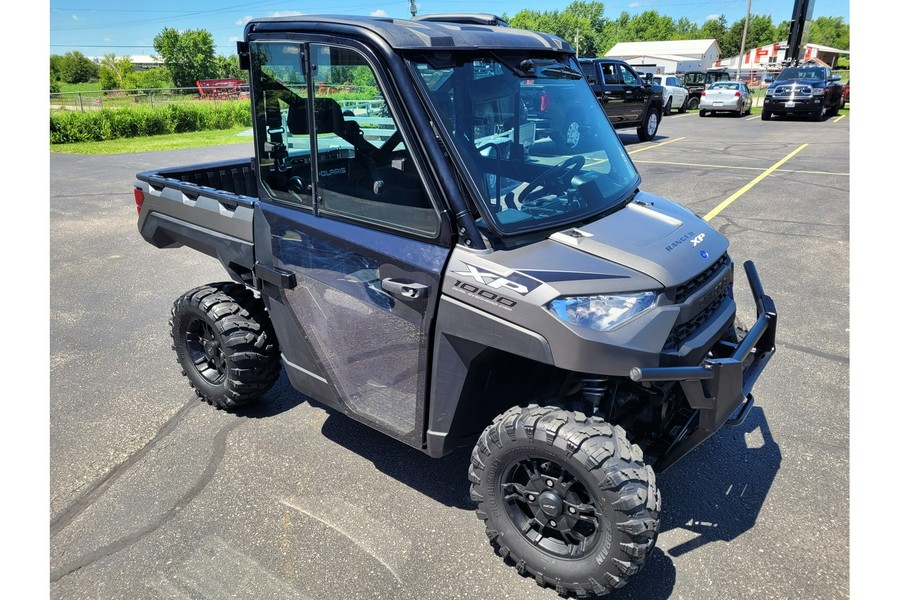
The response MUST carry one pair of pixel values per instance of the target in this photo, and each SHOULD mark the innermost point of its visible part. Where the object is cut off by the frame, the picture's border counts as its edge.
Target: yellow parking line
(736, 167)
(751, 118)
(839, 118)
(681, 116)
(654, 146)
(744, 189)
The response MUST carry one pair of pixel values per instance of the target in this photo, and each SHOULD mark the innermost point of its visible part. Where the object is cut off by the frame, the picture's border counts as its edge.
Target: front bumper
(719, 389)
(809, 105)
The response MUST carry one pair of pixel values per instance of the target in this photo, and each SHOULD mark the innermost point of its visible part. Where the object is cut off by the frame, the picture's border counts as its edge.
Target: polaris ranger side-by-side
(407, 248)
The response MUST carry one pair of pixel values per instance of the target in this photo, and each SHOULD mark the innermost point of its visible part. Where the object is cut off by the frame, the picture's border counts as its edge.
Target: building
(140, 62)
(772, 57)
(675, 56)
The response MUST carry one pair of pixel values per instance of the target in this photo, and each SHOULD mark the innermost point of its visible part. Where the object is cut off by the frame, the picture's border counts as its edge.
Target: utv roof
(458, 31)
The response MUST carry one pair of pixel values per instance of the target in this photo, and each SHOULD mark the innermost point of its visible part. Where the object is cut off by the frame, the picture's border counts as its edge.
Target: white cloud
(635, 5)
(243, 20)
(235, 38)
(286, 13)
(76, 18)
(712, 17)
(378, 13)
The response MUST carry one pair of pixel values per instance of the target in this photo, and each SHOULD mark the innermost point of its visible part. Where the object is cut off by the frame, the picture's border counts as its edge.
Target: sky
(100, 27)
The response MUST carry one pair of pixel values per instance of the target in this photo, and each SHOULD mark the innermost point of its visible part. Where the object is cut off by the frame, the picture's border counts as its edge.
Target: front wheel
(224, 341)
(703, 112)
(565, 498)
(684, 105)
(647, 130)
(766, 115)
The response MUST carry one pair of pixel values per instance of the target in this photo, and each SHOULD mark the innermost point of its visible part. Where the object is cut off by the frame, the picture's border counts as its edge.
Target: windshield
(531, 138)
(795, 73)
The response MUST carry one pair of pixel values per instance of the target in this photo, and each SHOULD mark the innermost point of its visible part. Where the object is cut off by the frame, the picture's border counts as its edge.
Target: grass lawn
(175, 141)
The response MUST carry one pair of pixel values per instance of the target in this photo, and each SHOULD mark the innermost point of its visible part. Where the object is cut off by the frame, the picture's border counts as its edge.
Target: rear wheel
(565, 498)
(668, 109)
(647, 130)
(693, 103)
(225, 344)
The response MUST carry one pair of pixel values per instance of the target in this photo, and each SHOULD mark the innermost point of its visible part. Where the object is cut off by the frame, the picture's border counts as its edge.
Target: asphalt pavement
(154, 494)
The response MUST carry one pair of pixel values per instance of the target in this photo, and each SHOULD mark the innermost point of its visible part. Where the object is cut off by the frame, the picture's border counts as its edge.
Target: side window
(365, 171)
(629, 77)
(590, 72)
(673, 81)
(282, 135)
(611, 74)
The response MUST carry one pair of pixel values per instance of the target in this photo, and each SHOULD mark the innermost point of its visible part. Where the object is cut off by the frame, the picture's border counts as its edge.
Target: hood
(799, 82)
(651, 235)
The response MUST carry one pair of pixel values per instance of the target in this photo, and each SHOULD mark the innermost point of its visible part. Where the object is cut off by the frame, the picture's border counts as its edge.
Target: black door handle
(411, 290)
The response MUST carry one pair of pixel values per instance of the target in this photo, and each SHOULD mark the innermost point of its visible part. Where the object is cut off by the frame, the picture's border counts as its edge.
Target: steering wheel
(561, 174)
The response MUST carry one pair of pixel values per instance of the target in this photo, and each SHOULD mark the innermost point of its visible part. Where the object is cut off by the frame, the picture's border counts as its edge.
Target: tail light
(138, 198)
(545, 101)
(703, 93)
(737, 94)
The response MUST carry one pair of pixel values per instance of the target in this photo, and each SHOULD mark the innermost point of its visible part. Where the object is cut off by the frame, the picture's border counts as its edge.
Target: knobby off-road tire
(693, 103)
(565, 499)
(224, 341)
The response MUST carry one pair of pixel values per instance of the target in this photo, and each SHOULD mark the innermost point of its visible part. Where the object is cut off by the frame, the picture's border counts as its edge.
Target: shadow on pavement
(718, 490)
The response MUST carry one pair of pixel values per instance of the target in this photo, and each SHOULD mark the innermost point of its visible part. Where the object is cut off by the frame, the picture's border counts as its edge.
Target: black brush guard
(719, 388)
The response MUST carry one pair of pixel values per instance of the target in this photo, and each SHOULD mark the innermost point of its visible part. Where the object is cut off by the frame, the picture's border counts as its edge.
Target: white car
(674, 95)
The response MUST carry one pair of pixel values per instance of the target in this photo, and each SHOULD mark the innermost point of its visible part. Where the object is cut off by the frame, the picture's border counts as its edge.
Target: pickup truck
(425, 273)
(810, 90)
(627, 99)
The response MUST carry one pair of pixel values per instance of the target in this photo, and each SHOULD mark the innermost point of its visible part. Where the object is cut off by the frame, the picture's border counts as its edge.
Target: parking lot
(154, 494)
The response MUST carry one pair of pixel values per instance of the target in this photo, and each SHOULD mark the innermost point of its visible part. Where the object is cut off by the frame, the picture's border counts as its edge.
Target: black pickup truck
(810, 90)
(436, 271)
(627, 99)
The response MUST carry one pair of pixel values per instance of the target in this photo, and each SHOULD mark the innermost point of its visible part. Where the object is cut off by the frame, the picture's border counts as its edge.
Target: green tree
(230, 67)
(56, 67)
(761, 32)
(830, 31)
(155, 78)
(649, 26)
(188, 55)
(685, 29)
(75, 67)
(783, 31)
(113, 71)
(582, 24)
(714, 29)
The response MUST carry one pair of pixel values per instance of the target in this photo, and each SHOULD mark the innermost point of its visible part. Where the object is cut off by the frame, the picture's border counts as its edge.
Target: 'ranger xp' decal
(688, 236)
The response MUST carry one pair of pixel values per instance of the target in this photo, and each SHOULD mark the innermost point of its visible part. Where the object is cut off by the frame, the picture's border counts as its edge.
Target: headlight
(818, 92)
(601, 312)
(770, 91)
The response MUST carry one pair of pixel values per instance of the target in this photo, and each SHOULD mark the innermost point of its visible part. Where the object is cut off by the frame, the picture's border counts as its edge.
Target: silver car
(726, 96)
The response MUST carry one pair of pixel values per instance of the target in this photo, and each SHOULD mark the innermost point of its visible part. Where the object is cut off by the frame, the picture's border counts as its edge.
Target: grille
(791, 90)
(683, 291)
(682, 332)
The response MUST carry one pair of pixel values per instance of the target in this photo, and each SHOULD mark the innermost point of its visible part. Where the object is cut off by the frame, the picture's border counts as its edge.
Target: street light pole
(743, 41)
(412, 8)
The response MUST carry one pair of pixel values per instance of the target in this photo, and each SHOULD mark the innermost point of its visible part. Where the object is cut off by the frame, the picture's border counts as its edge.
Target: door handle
(410, 291)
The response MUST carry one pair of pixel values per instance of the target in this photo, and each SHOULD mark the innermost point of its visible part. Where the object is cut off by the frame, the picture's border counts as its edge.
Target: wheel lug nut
(549, 483)
(531, 497)
(552, 523)
(572, 509)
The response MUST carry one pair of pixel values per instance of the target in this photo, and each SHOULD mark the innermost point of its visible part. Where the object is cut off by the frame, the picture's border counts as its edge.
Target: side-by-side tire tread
(225, 344)
(565, 498)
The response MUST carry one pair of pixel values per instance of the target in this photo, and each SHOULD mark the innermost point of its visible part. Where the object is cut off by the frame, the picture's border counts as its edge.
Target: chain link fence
(96, 100)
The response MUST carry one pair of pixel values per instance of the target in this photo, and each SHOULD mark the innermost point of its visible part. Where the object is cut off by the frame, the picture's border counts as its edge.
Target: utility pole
(412, 8)
(743, 42)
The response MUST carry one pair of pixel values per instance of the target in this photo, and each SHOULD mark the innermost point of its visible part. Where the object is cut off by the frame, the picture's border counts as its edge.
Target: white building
(140, 62)
(676, 56)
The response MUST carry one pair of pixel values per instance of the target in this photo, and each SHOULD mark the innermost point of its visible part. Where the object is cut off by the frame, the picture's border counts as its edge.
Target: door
(346, 235)
(612, 95)
(635, 93)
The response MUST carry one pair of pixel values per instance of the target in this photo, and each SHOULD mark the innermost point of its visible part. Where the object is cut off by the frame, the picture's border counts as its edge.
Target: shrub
(112, 123)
